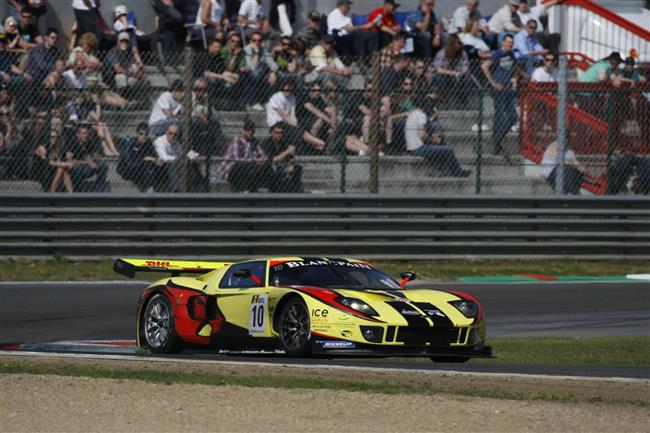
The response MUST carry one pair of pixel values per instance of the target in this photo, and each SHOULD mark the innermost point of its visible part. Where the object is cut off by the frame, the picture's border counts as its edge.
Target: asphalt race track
(40, 312)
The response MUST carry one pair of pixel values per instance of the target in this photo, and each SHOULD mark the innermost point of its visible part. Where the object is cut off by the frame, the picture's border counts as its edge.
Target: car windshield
(330, 273)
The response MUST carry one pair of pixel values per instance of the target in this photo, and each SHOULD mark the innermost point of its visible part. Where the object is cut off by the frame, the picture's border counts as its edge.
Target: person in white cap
(125, 62)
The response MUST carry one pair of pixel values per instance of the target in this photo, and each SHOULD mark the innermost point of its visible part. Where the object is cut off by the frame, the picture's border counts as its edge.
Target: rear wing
(128, 267)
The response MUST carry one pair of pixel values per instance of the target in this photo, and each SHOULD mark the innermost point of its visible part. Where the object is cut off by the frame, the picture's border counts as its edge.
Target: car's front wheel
(295, 335)
(157, 326)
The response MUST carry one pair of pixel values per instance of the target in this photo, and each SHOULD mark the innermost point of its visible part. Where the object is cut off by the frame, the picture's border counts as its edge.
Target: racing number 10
(257, 320)
(257, 315)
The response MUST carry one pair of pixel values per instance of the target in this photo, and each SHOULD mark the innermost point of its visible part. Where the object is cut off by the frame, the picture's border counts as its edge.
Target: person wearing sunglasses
(548, 72)
(527, 48)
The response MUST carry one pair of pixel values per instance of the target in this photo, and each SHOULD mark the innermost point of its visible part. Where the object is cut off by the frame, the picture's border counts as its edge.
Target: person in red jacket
(385, 23)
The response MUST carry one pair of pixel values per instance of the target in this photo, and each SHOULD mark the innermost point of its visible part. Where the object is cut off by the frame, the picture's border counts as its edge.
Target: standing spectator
(125, 63)
(281, 156)
(282, 15)
(139, 162)
(86, 14)
(452, 78)
(83, 157)
(384, 22)
(311, 34)
(39, 64)
(430, 145)
(170, 23)
(252, 18)
(210, 14)
(425, 29)
(505, 21)
(167, 109)
(206, 136)
(326, 62)
(246, 165)
(599, 72)
(350, 39)
(527, 47)
(28, 30)
(392, 51)
(573, 170)
(550, 41)
(548, 72)
(499, 71)
(169, 150)
(465, 13)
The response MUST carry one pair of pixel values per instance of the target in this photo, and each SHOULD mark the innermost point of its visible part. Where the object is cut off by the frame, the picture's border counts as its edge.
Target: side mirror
(406, 277)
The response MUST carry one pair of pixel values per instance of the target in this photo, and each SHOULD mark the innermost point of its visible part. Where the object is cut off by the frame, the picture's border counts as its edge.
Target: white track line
(323, 366)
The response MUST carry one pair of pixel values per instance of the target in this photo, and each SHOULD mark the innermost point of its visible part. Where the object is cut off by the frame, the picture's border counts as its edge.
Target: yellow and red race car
(303, 306)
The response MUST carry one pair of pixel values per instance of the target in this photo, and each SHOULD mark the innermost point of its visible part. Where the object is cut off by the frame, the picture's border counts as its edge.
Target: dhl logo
(152, 263)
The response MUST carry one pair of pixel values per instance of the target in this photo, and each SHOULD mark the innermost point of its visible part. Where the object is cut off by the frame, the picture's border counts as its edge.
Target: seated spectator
(629, 174)
(282, 108)
(390, 52)
(359, 40)
(422, 78)
(384, 22)
(629, 105)
(14, 152)
(311, 34)
(527, 47)
(252, 18)
(599, 72)
(548, 72)
(246, 166)
(550, 41)
(282, 57)
(99, 127)
(206, 136)
(167, 109)
(464, 14)
(14, 41)
(473, 41)
(425, 29)
(56, 79)
(35, 8)
(28, 30)
(42, 57)
(235, 63)
(427, 141)
(170, 23)
(82, 155)
(505, 21)
(58, 170)
(212, 66)
(261, 71)
(452, 77)
(573, 171)
(327, 63)
(75, 77)
(124, 63)
(125, 21)
(287, 173)
(139, 162)
(210, 15)
(400, 103)
(312, 113)
(169, 151)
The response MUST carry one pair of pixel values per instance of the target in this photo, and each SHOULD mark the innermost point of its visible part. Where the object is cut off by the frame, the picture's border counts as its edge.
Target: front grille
(417, 336)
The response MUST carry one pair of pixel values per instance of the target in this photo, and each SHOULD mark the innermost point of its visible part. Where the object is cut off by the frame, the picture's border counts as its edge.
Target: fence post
(373, 181)
(187, 117)
(561, 125)
(344, 166)
(479, 140)
(610, 135)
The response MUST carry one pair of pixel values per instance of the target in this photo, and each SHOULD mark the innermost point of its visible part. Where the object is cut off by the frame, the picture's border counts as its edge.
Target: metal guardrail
(233, 226)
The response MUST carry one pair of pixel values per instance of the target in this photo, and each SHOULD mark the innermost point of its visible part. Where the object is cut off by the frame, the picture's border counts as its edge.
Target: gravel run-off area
(47, 403)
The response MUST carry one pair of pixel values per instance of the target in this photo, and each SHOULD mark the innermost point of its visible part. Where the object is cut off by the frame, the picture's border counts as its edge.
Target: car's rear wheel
(457, 359)
(295, 335)
(157, 326)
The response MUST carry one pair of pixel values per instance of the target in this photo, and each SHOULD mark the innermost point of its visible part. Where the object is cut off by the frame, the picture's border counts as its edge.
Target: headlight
(469, 309)
(358, 305)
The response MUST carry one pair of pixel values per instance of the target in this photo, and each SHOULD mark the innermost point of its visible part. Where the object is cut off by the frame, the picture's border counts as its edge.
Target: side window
(257, 269)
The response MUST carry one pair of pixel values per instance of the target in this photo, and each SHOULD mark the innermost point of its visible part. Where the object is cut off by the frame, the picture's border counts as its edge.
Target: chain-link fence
(229, 120)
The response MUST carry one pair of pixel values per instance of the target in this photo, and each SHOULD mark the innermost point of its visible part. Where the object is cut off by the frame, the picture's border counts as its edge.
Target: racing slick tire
(456, 359)
(295, 328)
(157, 326)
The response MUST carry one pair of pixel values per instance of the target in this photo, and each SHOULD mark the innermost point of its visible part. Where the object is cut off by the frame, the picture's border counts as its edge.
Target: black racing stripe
(412, 320)
(438, 321)
(390, 333)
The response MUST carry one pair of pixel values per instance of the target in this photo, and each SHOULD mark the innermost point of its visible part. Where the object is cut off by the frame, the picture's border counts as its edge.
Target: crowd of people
(249, 56)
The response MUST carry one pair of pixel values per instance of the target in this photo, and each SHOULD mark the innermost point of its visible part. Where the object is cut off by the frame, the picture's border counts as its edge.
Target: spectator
(12, 36)
(246, 165)
(312, 113)
(311, 34)
(473, 42)
(430, 145)
(210, 15)
(393, 77)
(233, 54)
(384, 22)
(75, 77)
(527, 47)
(82, 155)
(350, 39)
(422, 79)
(390, 52)
(57, 170)
(452, 77)
(505, 21)
(206, 136)
(10, 64)
(361, 116)
(123, 23)
(599, 72)
(499, 71)
(170, 23)
(99, 127)
(326, 62)
(252, 18)
(55, 79)
(573, 170)
(282, 15)
(550, 41)
(628, 105)
(400, 103)
(629, 174)
(41, 59)
(125, 63)
(548, 72)
(167, 109)
(425, 29)
(86, 14)
(36, 8)
(282, 108)
(28, 30)
(212, 66)
(261, 71)
(287, 174)
(168, 151)
(139, 162)
(14, 152)
(463, 14)
(283, 59)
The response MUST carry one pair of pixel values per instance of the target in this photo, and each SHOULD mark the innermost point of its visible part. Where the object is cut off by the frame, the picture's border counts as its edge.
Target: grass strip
(62, 269)
(283, 382)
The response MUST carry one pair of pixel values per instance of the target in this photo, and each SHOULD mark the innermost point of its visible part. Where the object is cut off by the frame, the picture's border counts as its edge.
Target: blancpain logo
(435, 313)
(410, 312)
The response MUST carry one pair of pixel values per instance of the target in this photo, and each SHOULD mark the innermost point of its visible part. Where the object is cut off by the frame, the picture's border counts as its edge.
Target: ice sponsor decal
(319, 312)
(258, 317)
(336, 344)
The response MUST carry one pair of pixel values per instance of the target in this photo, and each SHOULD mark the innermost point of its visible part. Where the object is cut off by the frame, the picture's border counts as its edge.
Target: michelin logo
(337, 344)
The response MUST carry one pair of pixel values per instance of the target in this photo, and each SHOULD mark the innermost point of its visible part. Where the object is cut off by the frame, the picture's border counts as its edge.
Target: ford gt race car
(302, 306)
